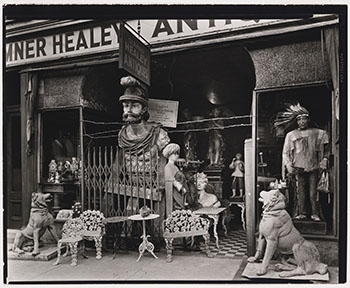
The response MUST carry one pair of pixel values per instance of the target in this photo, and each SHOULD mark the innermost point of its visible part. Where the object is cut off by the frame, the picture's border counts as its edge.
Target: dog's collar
(273, 213)
(301, 240)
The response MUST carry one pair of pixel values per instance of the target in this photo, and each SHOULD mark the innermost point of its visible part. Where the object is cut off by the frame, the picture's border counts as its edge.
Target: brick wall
(291, 64)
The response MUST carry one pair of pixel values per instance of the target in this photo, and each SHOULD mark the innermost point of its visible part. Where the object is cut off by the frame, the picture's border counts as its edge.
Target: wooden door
(13, 173)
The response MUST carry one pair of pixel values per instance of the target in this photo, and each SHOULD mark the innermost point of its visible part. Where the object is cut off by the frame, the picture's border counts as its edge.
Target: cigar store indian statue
(142, 143)
(305, 154)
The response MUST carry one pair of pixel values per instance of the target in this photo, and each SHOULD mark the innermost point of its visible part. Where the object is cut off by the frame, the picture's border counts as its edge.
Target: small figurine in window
(60, 170)
(75, 168)
(67, 174)
(57, 178)
(52, 171)
(77, 209)
(237, 165)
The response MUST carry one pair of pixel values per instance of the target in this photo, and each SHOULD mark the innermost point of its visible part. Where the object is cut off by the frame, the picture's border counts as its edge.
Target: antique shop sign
(104, 37)
(163, 111)
(100, 38)
(134, 56)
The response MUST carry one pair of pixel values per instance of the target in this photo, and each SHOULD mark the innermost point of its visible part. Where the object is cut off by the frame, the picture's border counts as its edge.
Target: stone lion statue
(40, 220)
(277, 232)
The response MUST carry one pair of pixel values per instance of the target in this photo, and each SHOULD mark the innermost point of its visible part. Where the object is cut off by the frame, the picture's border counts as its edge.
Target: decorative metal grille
(119, 182)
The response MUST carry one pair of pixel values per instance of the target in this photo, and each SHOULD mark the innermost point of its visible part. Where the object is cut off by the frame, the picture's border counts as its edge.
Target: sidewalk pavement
(186, 266)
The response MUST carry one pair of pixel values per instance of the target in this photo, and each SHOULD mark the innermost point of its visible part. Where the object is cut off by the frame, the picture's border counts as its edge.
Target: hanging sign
(163, 111)
(134, 56)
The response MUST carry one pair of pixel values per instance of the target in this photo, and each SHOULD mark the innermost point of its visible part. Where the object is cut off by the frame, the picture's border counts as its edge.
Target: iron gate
(119, 182)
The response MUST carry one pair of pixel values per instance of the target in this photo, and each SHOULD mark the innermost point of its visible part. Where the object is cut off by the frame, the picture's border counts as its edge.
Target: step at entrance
(11, 234)
(47, 252)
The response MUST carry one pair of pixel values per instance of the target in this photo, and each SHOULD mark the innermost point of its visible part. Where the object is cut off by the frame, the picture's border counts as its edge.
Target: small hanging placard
(163, 111)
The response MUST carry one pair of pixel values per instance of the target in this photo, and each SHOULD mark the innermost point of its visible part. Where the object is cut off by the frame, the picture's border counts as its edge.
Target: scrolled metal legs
(74, 250)
(169, 249)
(98, 244)
(146, 245)
(242, 206)
(223, 222)
(206, 241)
(59, 245)
(215, 218)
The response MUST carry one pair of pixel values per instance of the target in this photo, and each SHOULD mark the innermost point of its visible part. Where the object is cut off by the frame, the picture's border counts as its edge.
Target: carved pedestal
(64, 194)
(311, 227)
(215, 177)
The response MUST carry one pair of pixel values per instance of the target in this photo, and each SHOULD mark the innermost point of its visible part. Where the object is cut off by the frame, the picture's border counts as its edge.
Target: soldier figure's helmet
(135, 90)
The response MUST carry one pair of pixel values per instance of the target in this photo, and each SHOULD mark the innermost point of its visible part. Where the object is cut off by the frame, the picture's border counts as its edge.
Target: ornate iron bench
(88, 226)
(184, 223)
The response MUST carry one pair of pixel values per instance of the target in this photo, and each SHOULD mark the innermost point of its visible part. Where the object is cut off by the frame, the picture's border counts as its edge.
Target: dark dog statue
(277, 232)
(40, 220)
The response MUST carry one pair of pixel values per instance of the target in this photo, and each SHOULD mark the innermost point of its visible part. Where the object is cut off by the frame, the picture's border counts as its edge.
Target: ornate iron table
(214, 214)
(145, 244)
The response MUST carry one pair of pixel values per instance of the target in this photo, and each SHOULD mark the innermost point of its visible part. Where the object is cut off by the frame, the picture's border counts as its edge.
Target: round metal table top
(138, 217)
(115, 219)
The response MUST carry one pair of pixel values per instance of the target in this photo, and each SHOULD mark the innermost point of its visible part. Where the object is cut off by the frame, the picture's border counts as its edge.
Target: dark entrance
(12, 151)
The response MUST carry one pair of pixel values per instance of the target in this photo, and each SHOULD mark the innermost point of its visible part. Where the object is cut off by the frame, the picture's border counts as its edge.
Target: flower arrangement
(92, 220)
(184, 221)
(72, 228)
(64, 214)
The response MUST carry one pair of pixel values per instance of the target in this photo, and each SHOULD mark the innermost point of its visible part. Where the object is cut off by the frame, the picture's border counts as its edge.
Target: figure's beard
(132, 118)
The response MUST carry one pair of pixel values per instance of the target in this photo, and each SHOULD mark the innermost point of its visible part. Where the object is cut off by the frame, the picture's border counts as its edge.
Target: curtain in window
(30, 97)
(331, 41)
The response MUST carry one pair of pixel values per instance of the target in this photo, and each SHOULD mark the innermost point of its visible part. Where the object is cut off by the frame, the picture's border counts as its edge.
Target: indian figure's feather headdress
(286, 119)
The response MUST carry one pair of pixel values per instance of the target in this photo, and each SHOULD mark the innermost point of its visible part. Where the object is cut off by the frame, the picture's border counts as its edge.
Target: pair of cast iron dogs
(276, 233)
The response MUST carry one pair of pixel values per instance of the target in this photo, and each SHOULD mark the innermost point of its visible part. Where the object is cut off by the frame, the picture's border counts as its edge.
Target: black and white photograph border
(174, 143)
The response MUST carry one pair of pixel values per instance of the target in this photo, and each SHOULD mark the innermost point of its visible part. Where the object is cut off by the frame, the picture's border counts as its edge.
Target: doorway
(12, 172)
(13, 177)
(317, 100)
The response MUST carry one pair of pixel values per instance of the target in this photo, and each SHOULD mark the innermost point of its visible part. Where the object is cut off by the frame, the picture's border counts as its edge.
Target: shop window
(60, 137)
(215, 82)
(317, 100)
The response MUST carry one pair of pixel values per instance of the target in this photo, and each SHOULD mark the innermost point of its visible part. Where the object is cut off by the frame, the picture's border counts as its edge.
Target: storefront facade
(62, 78)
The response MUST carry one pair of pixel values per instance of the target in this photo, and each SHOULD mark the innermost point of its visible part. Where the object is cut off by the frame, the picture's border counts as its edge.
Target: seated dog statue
(277, 233)
(40, 219)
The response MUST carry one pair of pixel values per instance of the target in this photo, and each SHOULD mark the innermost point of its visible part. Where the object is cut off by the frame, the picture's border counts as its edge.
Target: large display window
(60, 143)
(276, 141)
(59, 156)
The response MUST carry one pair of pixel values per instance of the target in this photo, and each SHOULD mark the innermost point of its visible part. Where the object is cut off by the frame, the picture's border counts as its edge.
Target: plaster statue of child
(205, 199)
(175, 180)
(237, 165)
